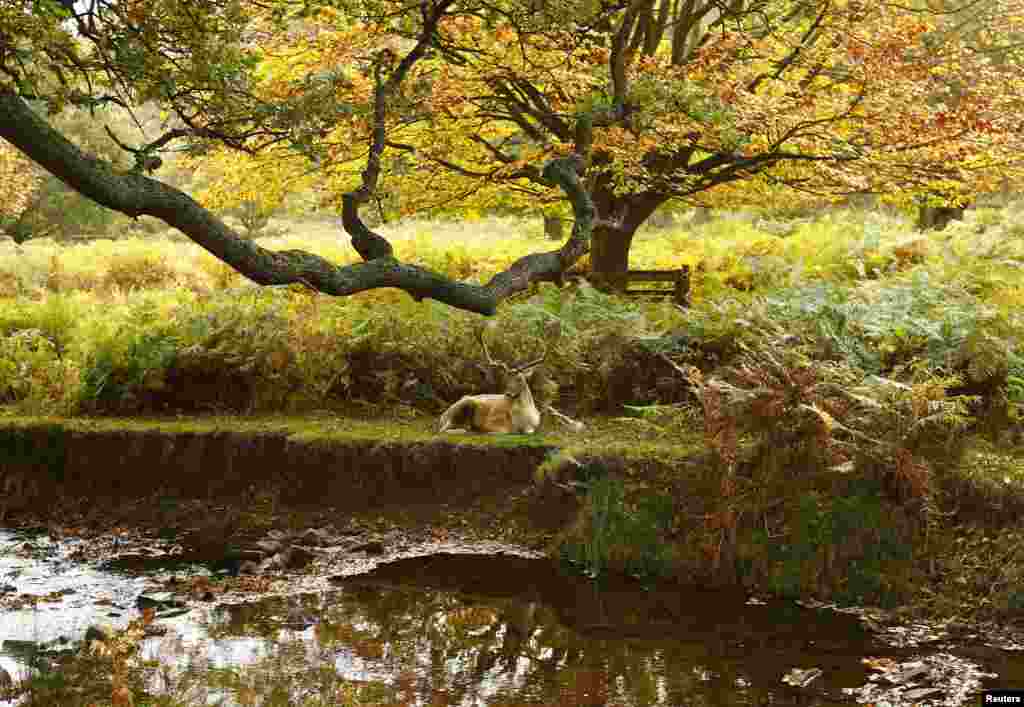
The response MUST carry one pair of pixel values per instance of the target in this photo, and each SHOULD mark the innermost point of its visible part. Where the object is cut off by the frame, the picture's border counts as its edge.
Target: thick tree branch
(368, 244)
(551, 266)
(805, 43)
(134, 194)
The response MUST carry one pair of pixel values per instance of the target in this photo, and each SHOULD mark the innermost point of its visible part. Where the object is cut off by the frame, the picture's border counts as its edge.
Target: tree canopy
(620, 106)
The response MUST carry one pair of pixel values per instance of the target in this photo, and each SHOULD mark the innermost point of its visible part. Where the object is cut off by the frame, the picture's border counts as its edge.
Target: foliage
(979, 570)
(124, 360)
(19, 182)
(821, 525)
(252, 190)
(722, 86)
(778, 102)
(879, 327)
(622, 535)
(906, 324)
(831, 414)
(33, 374)
(776, 420)
(583, 308)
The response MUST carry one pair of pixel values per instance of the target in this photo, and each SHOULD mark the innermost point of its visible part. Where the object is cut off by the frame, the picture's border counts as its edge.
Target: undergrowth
(157, 325)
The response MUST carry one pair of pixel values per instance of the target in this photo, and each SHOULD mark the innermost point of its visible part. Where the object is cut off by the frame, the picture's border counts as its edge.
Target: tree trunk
(612, 239)
(553, 228)
(938, 217)
(609, 255)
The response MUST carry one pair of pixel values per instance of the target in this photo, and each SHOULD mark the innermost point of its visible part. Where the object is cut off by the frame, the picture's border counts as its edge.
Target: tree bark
(609, 256)
(134, 194)
(553, 228)
(938, 217)
(619, 218)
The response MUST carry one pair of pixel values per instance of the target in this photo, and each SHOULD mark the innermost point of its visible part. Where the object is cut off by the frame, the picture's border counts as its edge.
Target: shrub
(619, 533)
(830, 414)
(33, 374)
(133, 272)
(121, 369)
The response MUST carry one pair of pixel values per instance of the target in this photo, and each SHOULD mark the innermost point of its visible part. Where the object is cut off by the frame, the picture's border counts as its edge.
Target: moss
(639, 450)
(603, 439)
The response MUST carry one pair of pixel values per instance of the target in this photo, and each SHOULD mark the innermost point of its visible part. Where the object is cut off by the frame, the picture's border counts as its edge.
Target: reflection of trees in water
(508, 651)
(531, 636)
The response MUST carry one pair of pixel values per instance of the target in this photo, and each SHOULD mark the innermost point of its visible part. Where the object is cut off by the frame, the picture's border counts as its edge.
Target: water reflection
(447, 629)
(503, 631)
(69, 596)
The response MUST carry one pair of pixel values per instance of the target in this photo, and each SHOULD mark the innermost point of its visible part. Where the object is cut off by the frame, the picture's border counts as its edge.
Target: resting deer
(511, 412)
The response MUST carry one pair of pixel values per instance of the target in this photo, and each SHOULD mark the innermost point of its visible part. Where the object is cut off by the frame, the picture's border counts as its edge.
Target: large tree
(197, 59)
(707, 101)
(622, 105)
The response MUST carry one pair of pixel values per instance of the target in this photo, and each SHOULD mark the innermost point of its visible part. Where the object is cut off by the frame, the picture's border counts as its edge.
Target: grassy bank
(650, 504)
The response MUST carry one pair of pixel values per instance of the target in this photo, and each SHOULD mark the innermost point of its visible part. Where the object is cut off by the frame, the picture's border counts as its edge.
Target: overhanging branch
(135, 194)
(370, 245)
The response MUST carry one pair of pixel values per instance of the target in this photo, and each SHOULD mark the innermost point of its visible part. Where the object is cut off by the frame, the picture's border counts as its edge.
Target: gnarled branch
(135, 194)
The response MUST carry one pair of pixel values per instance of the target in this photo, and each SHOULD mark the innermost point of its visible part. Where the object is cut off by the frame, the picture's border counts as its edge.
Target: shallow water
(75, 596)
(455, 630)
(467, 630)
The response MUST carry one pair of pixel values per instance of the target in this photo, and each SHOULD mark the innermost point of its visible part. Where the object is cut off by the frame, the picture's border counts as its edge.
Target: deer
(511, 412)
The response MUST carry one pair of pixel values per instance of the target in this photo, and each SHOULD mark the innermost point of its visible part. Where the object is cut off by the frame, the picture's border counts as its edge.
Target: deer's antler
(487, 353)
(530, 364)
(512, 370)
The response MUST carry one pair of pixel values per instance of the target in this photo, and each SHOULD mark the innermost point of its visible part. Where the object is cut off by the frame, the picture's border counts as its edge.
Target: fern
(832, 410)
